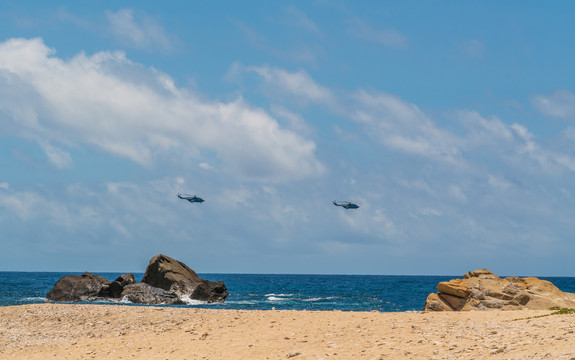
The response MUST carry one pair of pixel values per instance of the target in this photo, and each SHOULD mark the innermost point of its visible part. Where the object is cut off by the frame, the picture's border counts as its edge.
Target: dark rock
(166, 281)
(77, 288)
(117, 286)
(142, 293)
(166, 273)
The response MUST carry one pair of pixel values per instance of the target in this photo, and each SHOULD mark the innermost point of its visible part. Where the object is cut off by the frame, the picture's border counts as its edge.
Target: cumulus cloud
(297, 83)
(145, 33)
(544, 157)
(108, 102)
(483, 128)
(399, 124)
(30, 205)
(57, 157)
(403, 126)
(559, 104)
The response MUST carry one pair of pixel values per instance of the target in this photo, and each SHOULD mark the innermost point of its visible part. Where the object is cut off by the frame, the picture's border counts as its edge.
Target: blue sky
(450, 123)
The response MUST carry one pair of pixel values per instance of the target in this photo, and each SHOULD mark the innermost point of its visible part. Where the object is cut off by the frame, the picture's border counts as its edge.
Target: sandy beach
(64, 331)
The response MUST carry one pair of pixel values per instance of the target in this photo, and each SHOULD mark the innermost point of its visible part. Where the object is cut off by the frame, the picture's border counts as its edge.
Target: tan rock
(483, 290)
(455, 287)
(435, 303)
(483, 273)
(455, 302)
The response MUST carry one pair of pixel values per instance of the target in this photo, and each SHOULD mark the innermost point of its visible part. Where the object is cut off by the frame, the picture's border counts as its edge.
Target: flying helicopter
(191, 198)
(346, 205)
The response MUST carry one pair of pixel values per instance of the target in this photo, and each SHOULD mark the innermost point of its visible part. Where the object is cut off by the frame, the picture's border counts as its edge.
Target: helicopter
(346, 205)
(191, 198)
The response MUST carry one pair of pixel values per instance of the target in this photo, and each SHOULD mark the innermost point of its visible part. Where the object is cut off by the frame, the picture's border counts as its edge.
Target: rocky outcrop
(117, 286)
(166, 281)
(166, 273)
(483, 290)
(143, 293)
(78, 288)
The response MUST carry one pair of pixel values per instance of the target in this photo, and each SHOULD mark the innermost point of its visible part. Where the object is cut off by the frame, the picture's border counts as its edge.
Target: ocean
(283, 292)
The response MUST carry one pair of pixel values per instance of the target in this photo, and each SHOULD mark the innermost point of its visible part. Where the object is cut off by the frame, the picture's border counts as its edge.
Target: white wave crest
(275, 298)
(190, 301)
(35, 298)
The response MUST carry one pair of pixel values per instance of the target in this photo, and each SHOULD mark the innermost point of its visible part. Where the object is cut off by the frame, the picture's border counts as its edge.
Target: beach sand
(66, 331)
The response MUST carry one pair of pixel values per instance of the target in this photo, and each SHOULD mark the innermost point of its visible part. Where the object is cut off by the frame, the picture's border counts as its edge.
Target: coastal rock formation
(143, 293)
(166, 281)
(117, 286)
(78, 287)
(483, 290)
(166, 273)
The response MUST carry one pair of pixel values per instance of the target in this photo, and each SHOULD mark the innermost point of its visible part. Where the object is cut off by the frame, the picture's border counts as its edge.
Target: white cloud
(361, 30)
(430, 212)
(456, 192)
(372, 222)
(295, 121)
(294, 83)
(57, 157)
(236, 197)
(146, 33)
(108, 102)
(205, 166)
(30, 205)
(544, 157)
(559, 104)
(484, 129)
(402, 126)
(499, 183)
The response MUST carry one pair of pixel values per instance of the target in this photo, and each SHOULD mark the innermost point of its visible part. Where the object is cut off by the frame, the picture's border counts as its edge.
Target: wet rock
(142, 293)
(166, 281)
(117, 286)
(166, 273)
(77, 287)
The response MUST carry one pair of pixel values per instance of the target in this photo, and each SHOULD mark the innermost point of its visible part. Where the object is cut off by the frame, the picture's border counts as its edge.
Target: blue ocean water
(283, 292)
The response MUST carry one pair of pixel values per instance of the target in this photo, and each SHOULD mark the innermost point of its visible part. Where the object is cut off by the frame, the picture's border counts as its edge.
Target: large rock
(483, 290)
(142, 293)
(166, 281)
(116, 287)
(83, 287)
(168, 274)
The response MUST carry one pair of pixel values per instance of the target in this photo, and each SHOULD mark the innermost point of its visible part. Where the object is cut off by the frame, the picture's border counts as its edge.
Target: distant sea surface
(282, 292)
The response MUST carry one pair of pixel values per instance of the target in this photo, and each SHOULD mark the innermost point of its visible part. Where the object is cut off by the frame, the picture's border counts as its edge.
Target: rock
(166, 273)
(454, 287)
(142, 293)
(166, 281)
(117, 286)
(454, 302)
(435, 303)
(483, 290)
(77, 288)
(483, 273)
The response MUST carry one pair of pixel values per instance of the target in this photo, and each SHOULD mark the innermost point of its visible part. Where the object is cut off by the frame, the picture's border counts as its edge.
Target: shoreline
(86, 331)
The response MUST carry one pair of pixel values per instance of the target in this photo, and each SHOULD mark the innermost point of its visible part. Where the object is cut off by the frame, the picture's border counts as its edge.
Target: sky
(450, 123)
